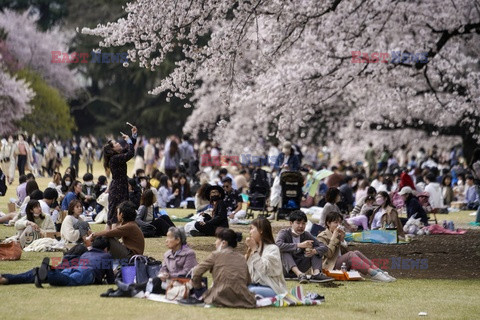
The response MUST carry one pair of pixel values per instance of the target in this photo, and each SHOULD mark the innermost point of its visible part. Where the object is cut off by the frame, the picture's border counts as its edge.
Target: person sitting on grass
(337, 253)
(301, 251)
(264, 261)
(209, 225)
(146, 216)
(93, 267)
(233, 200)
(361, 220)
(74, 229)
(133, 241)
(34, 225)
(178, 261)
(385, 215)
(230, 275)
(413, 206)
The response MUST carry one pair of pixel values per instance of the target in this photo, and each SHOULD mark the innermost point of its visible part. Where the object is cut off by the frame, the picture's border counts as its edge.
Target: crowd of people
(382, 192)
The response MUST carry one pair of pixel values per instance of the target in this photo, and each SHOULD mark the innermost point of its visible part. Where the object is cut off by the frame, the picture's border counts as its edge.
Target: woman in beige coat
(230, 274)
(338, 255)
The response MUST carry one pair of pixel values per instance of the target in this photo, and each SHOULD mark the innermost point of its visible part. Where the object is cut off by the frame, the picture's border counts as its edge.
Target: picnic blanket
(295, 297)
(437, 229)
(373, 236)
(46, 245)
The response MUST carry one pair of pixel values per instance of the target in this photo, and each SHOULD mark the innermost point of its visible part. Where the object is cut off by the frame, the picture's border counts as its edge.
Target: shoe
(37, 281)
(315, 296)
(123, 286)
(190, 301)
(320, 278)
(43, 270)
(196, 233)
(271, 217)
(119, 293)
(302, 279)
(107, 293)
(392, 279)
(380, 277)
(291, 276)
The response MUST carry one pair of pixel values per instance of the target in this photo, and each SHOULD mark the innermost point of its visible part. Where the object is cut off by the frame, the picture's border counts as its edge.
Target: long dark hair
(29, 210)
(148, 198)
(201, 191)
(186, 186)
(173, 148)
(265, 229)
(388, 201)
(31, 186)
(108, 152)
(73, 185)
(331, 195)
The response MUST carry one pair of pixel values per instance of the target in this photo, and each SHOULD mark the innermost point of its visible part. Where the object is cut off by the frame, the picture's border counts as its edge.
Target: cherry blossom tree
(32, 48)
(283, 69)
(15, 96)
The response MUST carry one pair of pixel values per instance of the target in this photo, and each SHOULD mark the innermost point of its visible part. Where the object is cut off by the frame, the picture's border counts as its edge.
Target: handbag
(178, 288)
(10, 251)
(140, 269)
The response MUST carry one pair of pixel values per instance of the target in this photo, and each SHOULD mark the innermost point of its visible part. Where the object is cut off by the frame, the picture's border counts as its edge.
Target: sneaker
(291, 276)
(302, 279)
(380, 277)
(315, 296)
(320, 277)
(196, 233)
(392, 279)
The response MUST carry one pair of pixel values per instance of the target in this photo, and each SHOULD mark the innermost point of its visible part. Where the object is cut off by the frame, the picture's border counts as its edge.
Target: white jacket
(436, 197)
(267, 269)
(68, 233)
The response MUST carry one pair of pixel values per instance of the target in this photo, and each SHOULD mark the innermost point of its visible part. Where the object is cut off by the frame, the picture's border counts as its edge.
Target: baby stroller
(258, 193)
(291, 183)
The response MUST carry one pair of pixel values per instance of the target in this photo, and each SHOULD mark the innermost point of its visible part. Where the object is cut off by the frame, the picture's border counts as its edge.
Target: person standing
(75, 153)
(115, 161)
(370, 158)
(21, 152)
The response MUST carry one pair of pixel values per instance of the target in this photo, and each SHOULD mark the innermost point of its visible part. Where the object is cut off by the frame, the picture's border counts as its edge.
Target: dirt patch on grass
(429, 257)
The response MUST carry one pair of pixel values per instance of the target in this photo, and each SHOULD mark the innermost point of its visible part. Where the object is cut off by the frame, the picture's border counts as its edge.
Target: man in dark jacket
(301, 251)
(219, 217)
(413, 205)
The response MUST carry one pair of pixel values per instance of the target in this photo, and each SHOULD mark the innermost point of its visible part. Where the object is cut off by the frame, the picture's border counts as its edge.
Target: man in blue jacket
(92, 267)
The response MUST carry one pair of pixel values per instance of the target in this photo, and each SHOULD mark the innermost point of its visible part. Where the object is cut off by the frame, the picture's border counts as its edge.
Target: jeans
(26, 277)
(263, 291)
(65, 277)
(70, 277)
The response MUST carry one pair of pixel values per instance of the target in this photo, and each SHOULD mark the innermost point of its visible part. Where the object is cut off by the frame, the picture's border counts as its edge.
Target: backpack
(3, 184)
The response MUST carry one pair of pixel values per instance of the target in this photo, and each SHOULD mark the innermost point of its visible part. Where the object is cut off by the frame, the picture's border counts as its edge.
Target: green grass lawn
(404, 299)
